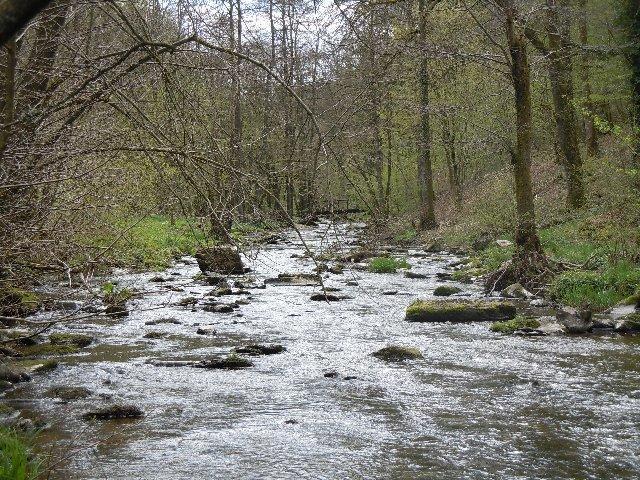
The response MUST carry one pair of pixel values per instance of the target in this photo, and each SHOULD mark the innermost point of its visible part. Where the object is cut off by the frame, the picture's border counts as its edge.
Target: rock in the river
(13, 374)
(220, 292)
(154, 335)
(397, 353)
(337, 269)
(255, 350)
(220, 259)
(324, 297)
(414, 275)
(116, 311)
(539, 302)
(206, 330)
(158, 279)
(219, 308)
(166, 320)
(575, 321)
(187, 302)
(446, 291)
(76, 339)
(516, 290)
(68, 393)
(232, 362)
(294, 279)
(459, 311)
(114, 412)
(352, 283)
(628, 323)
(390, 292)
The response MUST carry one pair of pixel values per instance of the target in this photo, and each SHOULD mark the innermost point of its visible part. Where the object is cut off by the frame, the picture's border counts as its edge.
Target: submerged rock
(114, 412)
(158, 279)
(187, 302)
(68, 393)
(219, 308)
(459, 311)
(76, 339)
(575, 321)
(117, 311)
(206, 330)
(13, 373)
(397, 353)
(256, 350)
(167, 320)
(154, 335)
(415, 275)
(221, 259)
(324, 297)
(294, 279)
(232, 362)
(446, 291)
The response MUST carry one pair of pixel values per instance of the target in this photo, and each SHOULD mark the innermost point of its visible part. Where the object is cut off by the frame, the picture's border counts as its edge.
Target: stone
(167, 320)
(206, 330)
(575, 321)
(504, 243)
(352, 283)
(482, 241)
(220, 259)
(628, 323)
(154, 335)
(415, 275)
(324, 297)
(516, 290)
(76, 339)
(446, 291)
(459, 311)
(219, 308)
(232, 362)
(68, 393)
(331, 374)
(187, 302)
(539, 303)
(255, 350)
(13, 374)
(294, 279)
(390, 292)
(397, 353)
(158, 279)
(117, 311)
(114, 412)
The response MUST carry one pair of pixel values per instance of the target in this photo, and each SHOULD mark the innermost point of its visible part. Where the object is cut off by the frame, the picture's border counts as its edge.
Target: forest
(241, 237)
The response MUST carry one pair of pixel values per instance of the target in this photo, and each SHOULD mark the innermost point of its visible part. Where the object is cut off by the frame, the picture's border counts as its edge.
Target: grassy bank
(16, 459)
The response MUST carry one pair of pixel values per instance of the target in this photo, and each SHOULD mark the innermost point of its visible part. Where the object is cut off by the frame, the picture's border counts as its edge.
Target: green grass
(600, 289)
(114, 295)
(387, 264)
(16, 460)
(406, 235)
(517, 323)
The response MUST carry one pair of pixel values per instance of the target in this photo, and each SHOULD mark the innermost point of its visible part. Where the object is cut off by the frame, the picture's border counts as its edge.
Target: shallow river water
(479, 405)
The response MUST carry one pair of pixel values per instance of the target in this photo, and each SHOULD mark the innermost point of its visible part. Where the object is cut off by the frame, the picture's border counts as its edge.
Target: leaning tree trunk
(561, 76)
(425, 171)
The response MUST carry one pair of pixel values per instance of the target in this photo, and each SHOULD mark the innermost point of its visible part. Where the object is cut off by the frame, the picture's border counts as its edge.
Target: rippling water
(480, 405)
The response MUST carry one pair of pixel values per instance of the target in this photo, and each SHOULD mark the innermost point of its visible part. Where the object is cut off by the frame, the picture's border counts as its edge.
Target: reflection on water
(478, 406)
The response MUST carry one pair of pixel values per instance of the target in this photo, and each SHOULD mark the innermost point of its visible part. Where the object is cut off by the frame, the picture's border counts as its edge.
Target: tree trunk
(591, 134)
(633, 16)
(425, 171)
(561, 76)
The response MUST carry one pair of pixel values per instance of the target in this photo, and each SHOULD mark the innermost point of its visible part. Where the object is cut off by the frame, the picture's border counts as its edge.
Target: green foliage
(446, 290)
(114, 295)
(406, 235)
(387, 264)
(77, 339)
(599, 289)
(16, 460)
(517, 323)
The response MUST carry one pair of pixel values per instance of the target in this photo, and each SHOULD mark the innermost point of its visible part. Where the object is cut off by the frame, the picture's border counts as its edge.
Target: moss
(18, 302)
(459, 311)
(114, 412)
(39, 366)
(387, 264)
(48, 349)
(114, 295)
(397, 353)
(517, 323)
(231, 362)
(632, 299)
(78, 339)
(68, 393)
(446, 290)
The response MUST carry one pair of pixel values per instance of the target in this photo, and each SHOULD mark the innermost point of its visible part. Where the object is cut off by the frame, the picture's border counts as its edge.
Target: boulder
(397, 353)
(160, 321)
(415, 275)
(154, 335)
(220, 259)
(516, 290)
(628, 323)
(219, 308)
(504, 243)
(459, 311)
(575, 321)
(446, 291)
(117, 311)
(206, 330)
(324, 297)
(114, 412)
(13, 374)
(75, 339)
(232, 362)
(336, 269)
(294, 279)
(68, 393)
(255, 350)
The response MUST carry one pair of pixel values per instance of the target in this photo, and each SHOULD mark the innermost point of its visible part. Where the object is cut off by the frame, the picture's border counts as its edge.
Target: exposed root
(532, 270)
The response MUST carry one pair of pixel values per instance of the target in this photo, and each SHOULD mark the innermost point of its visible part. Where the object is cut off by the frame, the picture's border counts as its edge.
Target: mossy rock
(255, 350)
(632, 300)
(397, 353)
(39, 366)
(68, 393)
(78, 339)
(114, 412)
(517, 323)
(232, 362)
(446, 291)
(459, 311)
(220, 259)
(628, 324)
(16, 302)
(48, 349)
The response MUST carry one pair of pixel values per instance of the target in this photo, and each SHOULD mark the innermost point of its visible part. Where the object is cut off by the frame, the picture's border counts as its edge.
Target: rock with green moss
(12, 373)
(387, 264)
(628, 323)
(459, 311)
(397, 353)
(46, 366)
(220, 259)
(446, 290)
(632, 300)
(294, 280)
(231, 362)
(78, 339)
(114, 412)
(49, 349)
(16, 302)
(519, 323)
(68, 393)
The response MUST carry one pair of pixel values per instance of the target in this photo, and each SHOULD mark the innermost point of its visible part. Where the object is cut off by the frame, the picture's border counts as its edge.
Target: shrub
(387, 264)
(113, 295)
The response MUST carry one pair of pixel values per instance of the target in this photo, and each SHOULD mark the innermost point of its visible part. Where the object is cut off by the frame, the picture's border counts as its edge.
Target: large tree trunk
(633, 16)
(561, 76)
(591, 133)
(425, 171)
(526, 238)
(237, 160)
